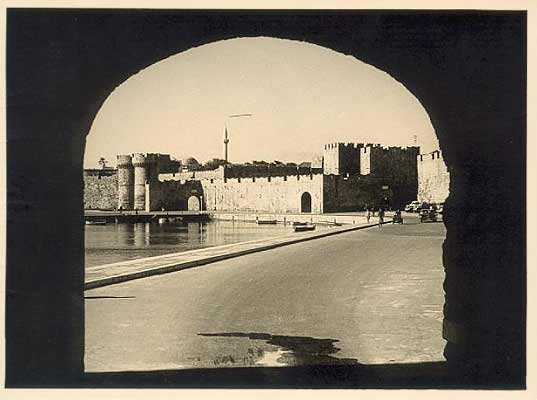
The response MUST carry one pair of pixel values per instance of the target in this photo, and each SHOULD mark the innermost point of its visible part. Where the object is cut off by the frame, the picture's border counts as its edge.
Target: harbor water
(112, 242)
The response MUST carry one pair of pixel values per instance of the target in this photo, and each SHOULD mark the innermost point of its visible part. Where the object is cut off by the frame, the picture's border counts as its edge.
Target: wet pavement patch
(291, 350)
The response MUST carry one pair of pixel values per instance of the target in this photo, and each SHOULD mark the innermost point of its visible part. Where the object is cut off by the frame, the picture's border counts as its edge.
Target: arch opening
(354, 171)
(194, 203)
(305, 203)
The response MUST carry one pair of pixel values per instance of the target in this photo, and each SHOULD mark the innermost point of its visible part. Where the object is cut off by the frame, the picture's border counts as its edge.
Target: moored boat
(304, 228)
(99, 222)
(266, 222)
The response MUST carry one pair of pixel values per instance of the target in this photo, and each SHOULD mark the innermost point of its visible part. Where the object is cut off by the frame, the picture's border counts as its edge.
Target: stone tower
(125, 175)
(140, 178)
(341, 158)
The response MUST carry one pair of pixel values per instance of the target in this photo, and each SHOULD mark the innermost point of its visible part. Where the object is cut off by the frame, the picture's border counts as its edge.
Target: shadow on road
(310, 364)
(298, 350)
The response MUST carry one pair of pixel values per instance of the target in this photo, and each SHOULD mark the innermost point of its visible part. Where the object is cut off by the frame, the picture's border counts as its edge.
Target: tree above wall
(214, 163)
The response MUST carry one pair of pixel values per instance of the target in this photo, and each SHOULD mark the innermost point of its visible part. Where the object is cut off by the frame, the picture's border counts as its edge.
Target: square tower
(342, 158)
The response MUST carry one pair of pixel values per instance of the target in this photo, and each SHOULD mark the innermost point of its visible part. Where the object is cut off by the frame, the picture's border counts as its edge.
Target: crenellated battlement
(138, 159)
(341, 158)
(434, 155)
(391, 149)
(237, 171)
(124, 161)
(260, 171)
(343, 146)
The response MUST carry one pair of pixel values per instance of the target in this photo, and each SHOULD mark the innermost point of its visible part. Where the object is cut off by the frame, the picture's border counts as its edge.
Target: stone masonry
(100, 189)
(433, 178)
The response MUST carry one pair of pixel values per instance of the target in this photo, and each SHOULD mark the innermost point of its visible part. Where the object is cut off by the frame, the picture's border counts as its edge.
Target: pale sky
(301, 96)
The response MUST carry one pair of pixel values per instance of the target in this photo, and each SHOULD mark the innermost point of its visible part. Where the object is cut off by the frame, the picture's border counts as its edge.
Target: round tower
(140, 178)
(125, 178)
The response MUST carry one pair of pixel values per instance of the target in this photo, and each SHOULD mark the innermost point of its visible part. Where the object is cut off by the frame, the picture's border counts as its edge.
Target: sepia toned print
(266, 199)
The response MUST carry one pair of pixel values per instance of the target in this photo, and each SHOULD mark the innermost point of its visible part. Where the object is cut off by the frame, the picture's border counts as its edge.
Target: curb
(178, 266)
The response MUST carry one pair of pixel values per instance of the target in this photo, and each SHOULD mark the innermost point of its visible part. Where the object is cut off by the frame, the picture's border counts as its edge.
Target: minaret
(226, 141)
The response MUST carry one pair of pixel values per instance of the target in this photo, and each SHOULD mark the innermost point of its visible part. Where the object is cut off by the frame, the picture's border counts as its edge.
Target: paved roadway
(370, 296)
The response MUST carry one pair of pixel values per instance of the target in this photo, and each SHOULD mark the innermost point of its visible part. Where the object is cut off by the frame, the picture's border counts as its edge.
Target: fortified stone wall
(264, 194)
(100, 189)
(433, 178)
(391, 173)
(396, 167)
(261, 194)
(353, 193)
(393, 162)
(172, 194)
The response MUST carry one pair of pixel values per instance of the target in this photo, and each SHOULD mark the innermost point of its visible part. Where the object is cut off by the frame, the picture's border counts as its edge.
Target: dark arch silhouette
(305, 202)
(468, 69)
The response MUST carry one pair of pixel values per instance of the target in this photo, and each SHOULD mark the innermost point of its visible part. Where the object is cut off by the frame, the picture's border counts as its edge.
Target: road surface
(370, 296)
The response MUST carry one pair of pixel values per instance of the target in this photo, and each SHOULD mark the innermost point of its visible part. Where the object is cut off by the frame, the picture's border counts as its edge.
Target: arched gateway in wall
(194, 203)
(481, 128)
(305, 202)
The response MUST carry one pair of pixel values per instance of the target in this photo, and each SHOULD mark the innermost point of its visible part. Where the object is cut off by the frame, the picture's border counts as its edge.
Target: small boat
(266, 222)
(99, 222)
(304, 228)
(162, 220)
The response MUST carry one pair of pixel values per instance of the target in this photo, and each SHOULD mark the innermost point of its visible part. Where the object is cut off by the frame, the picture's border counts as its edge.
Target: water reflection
(123, 233)
(125, 241)
(141, 234)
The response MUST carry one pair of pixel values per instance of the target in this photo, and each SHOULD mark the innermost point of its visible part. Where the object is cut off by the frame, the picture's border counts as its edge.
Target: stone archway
(434, 55)
(194, 203)
(305, 203)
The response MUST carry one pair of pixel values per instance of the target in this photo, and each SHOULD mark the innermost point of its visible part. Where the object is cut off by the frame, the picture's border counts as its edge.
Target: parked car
(414, 206)
(428, 214)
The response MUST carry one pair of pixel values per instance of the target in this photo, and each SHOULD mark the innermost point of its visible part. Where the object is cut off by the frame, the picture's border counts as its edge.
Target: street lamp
(226, 138)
